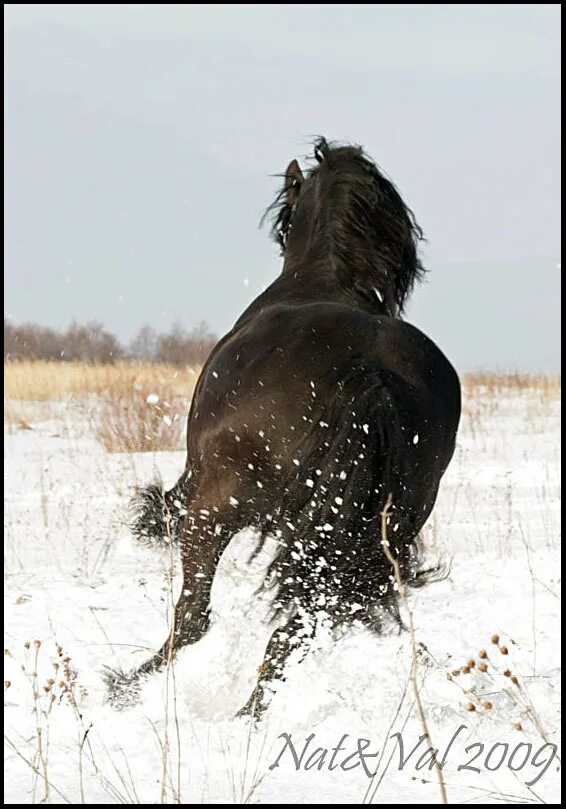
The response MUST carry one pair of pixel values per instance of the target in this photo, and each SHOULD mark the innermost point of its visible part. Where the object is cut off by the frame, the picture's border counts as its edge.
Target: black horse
(319, 404)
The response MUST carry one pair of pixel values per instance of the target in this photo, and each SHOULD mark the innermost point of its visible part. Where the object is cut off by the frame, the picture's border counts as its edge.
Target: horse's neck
(302, 284)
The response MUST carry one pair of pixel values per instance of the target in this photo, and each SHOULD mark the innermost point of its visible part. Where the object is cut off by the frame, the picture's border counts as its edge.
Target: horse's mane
(371, 225)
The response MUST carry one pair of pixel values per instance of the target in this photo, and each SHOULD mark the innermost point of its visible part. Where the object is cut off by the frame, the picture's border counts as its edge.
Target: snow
(74, 577)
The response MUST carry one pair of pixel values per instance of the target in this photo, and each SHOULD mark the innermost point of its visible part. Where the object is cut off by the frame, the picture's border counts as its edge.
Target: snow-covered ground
(77, 587)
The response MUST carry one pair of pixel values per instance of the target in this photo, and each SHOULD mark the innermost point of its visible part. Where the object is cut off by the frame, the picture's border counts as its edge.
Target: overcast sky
(141, 140)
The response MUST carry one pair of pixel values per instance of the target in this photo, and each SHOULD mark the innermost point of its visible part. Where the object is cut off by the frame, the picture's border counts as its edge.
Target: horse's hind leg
(204, 536)
(284, 640)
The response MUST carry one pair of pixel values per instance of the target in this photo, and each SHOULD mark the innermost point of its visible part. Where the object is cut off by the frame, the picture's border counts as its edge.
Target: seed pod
(507, 673)
(495, 639)
(482, 667)
(470, 707)
(488, 705)
(483, 654)
(504, 650)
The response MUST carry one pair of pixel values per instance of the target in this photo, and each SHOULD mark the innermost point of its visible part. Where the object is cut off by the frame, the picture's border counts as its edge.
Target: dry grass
(488, 383)
(42, 380)
(486, 395)
(137, 423)
(136, 406)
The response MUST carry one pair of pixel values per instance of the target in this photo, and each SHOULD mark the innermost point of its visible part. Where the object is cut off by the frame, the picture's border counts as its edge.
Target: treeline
(94, 343)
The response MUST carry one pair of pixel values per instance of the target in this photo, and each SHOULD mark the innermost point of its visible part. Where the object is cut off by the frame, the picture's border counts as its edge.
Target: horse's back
(286, 367)
(284, 347)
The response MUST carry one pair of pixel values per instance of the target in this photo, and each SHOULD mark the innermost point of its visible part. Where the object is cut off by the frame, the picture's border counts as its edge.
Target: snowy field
(80, 595)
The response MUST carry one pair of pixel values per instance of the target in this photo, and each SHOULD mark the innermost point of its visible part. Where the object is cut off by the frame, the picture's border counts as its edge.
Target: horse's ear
(293, 181)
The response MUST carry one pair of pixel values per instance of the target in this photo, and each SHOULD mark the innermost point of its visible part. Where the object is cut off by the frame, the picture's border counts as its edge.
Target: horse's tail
(329, 522)
(155, 513)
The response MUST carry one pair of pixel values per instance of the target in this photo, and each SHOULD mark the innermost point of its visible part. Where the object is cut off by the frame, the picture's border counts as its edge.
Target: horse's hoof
(253, 709)
(123, 690)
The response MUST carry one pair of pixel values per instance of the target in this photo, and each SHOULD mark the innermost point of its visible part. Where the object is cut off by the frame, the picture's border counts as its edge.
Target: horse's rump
(328, 517)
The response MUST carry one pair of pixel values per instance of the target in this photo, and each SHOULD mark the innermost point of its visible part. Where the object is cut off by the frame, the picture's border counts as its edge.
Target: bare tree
(94, 343)
(144, 344)
(180, 347)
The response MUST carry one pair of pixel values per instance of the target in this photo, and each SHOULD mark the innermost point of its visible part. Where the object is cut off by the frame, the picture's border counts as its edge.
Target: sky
(142, 143)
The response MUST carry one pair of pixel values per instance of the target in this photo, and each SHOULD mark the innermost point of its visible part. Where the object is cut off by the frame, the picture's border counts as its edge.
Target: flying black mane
(361, 217)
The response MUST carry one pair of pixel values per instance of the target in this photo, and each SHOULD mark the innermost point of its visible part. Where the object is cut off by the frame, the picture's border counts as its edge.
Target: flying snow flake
(296, 462)
(152, 398)
(342, 475)
(168, 420)
(416, 438)
(365, 428)
(309, 482)
(233, 501)
(259, 484)
(215, 375)
(338, 501)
